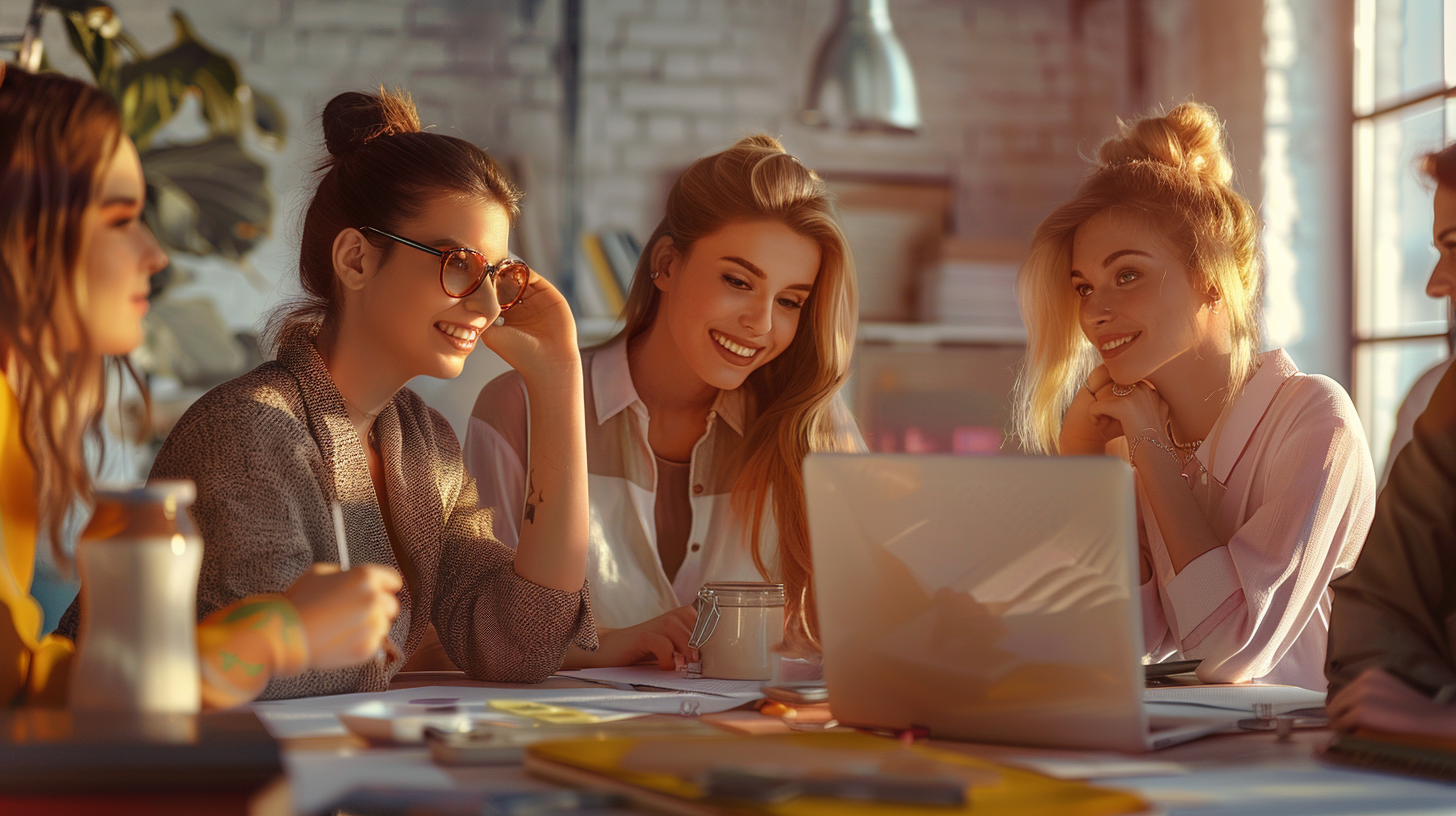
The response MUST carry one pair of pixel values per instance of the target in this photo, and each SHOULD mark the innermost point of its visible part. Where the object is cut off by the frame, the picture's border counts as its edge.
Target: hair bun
(760, 140)
(1188, 138)
(352, 119)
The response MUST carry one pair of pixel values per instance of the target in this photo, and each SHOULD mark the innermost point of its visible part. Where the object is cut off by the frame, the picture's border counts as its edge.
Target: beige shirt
(627, 580)
(1286, 482)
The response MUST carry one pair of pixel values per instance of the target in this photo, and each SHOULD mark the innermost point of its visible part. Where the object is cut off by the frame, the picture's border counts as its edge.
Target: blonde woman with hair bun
(739, 325)
(1254, 481)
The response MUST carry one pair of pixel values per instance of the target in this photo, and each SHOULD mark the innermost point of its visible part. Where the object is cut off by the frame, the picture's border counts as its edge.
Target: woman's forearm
(553, 541)
(1186, 533)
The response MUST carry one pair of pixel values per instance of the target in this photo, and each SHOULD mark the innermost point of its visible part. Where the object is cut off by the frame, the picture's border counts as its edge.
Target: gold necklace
(372, 441)
(1191, 447)
(351, 404)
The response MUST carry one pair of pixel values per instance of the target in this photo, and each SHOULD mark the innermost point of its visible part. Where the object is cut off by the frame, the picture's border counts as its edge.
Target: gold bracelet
(1132, 449)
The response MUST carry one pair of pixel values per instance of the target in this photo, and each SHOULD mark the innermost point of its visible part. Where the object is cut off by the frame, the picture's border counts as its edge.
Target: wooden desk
(1226, 774)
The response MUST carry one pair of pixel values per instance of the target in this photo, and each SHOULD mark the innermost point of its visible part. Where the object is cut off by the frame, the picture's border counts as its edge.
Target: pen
(342, 541)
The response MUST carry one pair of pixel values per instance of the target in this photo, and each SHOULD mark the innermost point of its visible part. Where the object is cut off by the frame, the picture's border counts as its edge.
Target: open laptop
(991, 599)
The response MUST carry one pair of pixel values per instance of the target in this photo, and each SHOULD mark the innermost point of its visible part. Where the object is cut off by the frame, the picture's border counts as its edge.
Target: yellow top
(241, 646)
(33, 669)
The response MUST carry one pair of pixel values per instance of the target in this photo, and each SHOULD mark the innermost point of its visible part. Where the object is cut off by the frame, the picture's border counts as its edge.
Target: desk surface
(1237, 773)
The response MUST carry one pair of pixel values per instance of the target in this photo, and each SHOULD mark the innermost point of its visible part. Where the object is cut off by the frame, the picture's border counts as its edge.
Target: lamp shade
(861, 78)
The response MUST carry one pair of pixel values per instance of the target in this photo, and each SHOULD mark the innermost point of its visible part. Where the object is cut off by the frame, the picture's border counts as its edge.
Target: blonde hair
(791, 399)
(1174, 172)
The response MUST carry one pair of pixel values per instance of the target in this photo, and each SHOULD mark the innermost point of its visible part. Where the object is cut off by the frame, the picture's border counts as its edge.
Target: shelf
(938, 334)
(595, 329)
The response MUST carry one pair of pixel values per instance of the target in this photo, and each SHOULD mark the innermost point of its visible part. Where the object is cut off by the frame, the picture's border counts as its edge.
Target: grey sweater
(271, 449)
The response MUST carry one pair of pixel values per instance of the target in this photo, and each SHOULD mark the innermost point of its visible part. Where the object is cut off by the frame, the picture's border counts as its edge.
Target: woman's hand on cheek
(1082, 432)
(1140, 412)
(538, 335)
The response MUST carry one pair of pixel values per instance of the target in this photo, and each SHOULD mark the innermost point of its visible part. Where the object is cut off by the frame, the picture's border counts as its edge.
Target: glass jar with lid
(739, 623)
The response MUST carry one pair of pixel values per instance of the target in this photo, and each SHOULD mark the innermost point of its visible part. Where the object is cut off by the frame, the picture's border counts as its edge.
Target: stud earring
(653, 275)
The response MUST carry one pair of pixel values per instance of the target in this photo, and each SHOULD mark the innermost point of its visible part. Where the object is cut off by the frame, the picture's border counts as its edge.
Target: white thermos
(139, 560)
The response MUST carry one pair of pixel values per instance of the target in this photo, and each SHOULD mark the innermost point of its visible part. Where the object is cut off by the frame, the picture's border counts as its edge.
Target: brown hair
(381, 170)
(791, 399)
(1174, 171)
(57, 136)
(1440, 166)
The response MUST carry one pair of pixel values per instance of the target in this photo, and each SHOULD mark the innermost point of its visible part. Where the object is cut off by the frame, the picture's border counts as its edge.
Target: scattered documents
(646, 676)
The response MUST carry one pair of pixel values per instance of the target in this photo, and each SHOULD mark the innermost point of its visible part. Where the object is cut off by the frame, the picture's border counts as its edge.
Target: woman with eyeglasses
(1254, 481)
(75, 259)
(739, 326)
(404, 268)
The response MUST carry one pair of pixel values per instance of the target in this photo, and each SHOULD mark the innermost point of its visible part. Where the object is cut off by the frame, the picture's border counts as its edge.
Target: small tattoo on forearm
(533, 497)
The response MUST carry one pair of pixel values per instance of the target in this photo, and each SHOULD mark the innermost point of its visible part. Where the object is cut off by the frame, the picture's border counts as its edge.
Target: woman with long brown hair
(739, 326)
(1254, 483)
(75, 259)
(404, 267)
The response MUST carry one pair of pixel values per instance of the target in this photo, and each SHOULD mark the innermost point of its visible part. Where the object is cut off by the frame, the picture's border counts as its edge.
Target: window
(1404, 80)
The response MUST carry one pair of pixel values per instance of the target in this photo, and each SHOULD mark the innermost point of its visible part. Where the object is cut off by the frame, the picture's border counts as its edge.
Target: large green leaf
(209, 198)
(152, 89)
(269, 118)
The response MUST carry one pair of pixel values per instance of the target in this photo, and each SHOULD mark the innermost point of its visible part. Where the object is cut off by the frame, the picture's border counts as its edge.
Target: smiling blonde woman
(739, 326)
(1254, 481)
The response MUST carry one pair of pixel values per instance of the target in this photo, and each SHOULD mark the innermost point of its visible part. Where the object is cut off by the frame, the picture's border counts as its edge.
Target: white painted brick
(655, 34)
(530, 58)
(542, 90)
(617, 8)
(667, 129)
(324, 48)
(358, 14)
(620, 127)
(679, 66)
(758, 99)
(725, 64)
(647, 96)
(663, 9)
(280, 47)
(712, 130)
(631, 61)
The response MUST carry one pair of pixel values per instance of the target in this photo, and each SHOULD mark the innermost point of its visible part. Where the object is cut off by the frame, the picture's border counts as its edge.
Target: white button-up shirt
(1285, 480)
(628, 583)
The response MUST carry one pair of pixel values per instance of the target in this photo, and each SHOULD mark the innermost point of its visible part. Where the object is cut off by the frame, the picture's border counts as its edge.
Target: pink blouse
(1285, 480)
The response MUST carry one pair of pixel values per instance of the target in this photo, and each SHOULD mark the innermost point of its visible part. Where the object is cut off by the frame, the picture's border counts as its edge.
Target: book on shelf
(601, 274)
(622, 253)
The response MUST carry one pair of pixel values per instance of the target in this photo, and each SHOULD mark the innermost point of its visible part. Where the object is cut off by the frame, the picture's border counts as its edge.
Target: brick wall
(1013, 92)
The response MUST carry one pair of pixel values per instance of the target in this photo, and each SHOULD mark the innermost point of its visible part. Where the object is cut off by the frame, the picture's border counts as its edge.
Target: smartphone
(797, 693)
(478, 746)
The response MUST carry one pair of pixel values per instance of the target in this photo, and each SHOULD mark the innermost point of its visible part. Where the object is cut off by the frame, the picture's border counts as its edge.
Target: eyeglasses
(462, 270)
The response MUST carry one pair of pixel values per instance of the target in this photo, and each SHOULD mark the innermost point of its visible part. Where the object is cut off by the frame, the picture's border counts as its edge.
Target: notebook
(56, 751)
(664, 775)
(1429, 757)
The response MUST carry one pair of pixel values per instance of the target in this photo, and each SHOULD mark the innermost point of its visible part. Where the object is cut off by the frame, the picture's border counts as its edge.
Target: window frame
(1368, 113)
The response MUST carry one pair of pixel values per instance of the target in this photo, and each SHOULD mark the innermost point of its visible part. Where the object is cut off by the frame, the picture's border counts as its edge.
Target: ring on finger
(1123, 390)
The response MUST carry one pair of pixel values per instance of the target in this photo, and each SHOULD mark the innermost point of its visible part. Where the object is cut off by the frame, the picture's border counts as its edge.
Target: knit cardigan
(270, 450)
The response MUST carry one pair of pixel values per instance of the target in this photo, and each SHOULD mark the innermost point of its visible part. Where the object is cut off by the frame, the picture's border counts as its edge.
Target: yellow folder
(659, 773)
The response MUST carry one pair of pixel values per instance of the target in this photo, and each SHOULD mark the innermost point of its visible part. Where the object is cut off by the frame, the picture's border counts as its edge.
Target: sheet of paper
(1240, 697)
(1097, 766)
(318, 716)
(657, 678)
